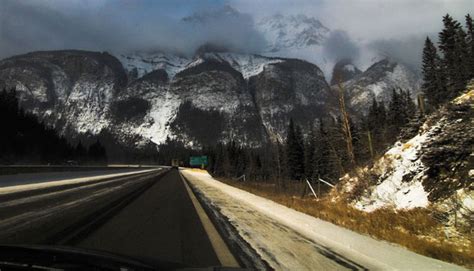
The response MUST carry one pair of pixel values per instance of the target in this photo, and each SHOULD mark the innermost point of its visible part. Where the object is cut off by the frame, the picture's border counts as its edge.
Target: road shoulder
(288, 239)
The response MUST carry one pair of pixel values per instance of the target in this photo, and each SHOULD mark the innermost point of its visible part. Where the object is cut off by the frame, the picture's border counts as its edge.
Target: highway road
(156, 216)
(148, 215)
(162, 223)
(40, 177)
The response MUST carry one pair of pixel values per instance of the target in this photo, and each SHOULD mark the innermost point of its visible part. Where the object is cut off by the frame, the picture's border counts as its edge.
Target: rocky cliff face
(202, 100)
(290, 89)
(69, 89)
(378, 81)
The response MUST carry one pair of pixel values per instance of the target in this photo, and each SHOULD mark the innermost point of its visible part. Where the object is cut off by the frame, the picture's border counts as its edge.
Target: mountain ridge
(99, 95)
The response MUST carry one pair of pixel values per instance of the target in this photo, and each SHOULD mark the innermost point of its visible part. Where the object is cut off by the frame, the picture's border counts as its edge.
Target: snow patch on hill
(401, 161)
(349, 67)
(162, 113)
(247, 64)
(145, 63)
(401, 178)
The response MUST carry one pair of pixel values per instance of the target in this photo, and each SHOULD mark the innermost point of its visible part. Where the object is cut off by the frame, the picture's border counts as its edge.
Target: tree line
(320, 152)
(25, 139)
(449, 66)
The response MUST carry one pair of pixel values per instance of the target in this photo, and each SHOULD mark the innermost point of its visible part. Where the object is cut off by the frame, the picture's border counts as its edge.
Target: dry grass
(414, 229)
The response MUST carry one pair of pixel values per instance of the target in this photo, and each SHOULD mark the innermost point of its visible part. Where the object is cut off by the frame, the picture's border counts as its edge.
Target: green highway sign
(198, 160)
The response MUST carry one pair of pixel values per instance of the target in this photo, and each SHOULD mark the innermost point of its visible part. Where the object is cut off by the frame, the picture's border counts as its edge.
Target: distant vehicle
(175, 163)
(72, 163)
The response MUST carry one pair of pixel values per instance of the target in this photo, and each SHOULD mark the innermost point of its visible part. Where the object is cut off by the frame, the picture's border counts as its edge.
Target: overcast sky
(395, 26)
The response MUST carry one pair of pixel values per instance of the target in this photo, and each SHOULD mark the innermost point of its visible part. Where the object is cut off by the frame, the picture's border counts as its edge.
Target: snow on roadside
(290, 240)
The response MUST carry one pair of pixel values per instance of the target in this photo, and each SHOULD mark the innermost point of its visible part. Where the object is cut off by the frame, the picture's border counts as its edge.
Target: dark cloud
(117, 26)
(405, 50)
(339, 46)
(391, 28)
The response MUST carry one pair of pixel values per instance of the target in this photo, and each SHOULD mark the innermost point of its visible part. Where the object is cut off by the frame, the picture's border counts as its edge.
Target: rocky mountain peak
(344, 70)
(285, 32)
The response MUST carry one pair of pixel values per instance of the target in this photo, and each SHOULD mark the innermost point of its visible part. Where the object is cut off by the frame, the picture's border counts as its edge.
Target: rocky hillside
(434, 169)
(71, 90)
(202, 100)
(378, 81)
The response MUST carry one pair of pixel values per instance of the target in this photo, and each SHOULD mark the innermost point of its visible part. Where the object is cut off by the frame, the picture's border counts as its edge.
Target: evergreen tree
(401, 110)
(470, 45)
(97, 153)
(310, 153)
(393, 117)
(462, 53)
(282, 163)
(328, 162)
(433, 84)
(24, 139)
(295, 151)
(223, 166)
(449, 45)
(337, 141)
(80, 152)
(361, 150)
(300, 149)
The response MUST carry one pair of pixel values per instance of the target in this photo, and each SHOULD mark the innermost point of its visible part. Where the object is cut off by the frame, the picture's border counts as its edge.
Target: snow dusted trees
(445, 75)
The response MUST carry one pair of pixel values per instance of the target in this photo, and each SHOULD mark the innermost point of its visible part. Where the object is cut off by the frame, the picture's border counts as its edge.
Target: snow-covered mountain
(228, 91)
(209, 98)
(153, 96)
(292, 32)
(378, 81)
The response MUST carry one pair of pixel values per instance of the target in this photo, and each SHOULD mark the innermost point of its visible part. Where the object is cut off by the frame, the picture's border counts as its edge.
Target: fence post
(310, 187)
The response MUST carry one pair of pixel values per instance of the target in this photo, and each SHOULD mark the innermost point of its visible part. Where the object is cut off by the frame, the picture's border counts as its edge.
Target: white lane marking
(33, 186)
(220, 248)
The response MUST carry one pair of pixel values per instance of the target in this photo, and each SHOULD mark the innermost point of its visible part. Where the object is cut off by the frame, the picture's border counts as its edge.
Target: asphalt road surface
(40, 177)
(162, 223)
(149, 215)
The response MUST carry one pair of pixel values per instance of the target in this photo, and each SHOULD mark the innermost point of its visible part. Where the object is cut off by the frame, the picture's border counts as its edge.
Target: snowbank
(290, 240)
